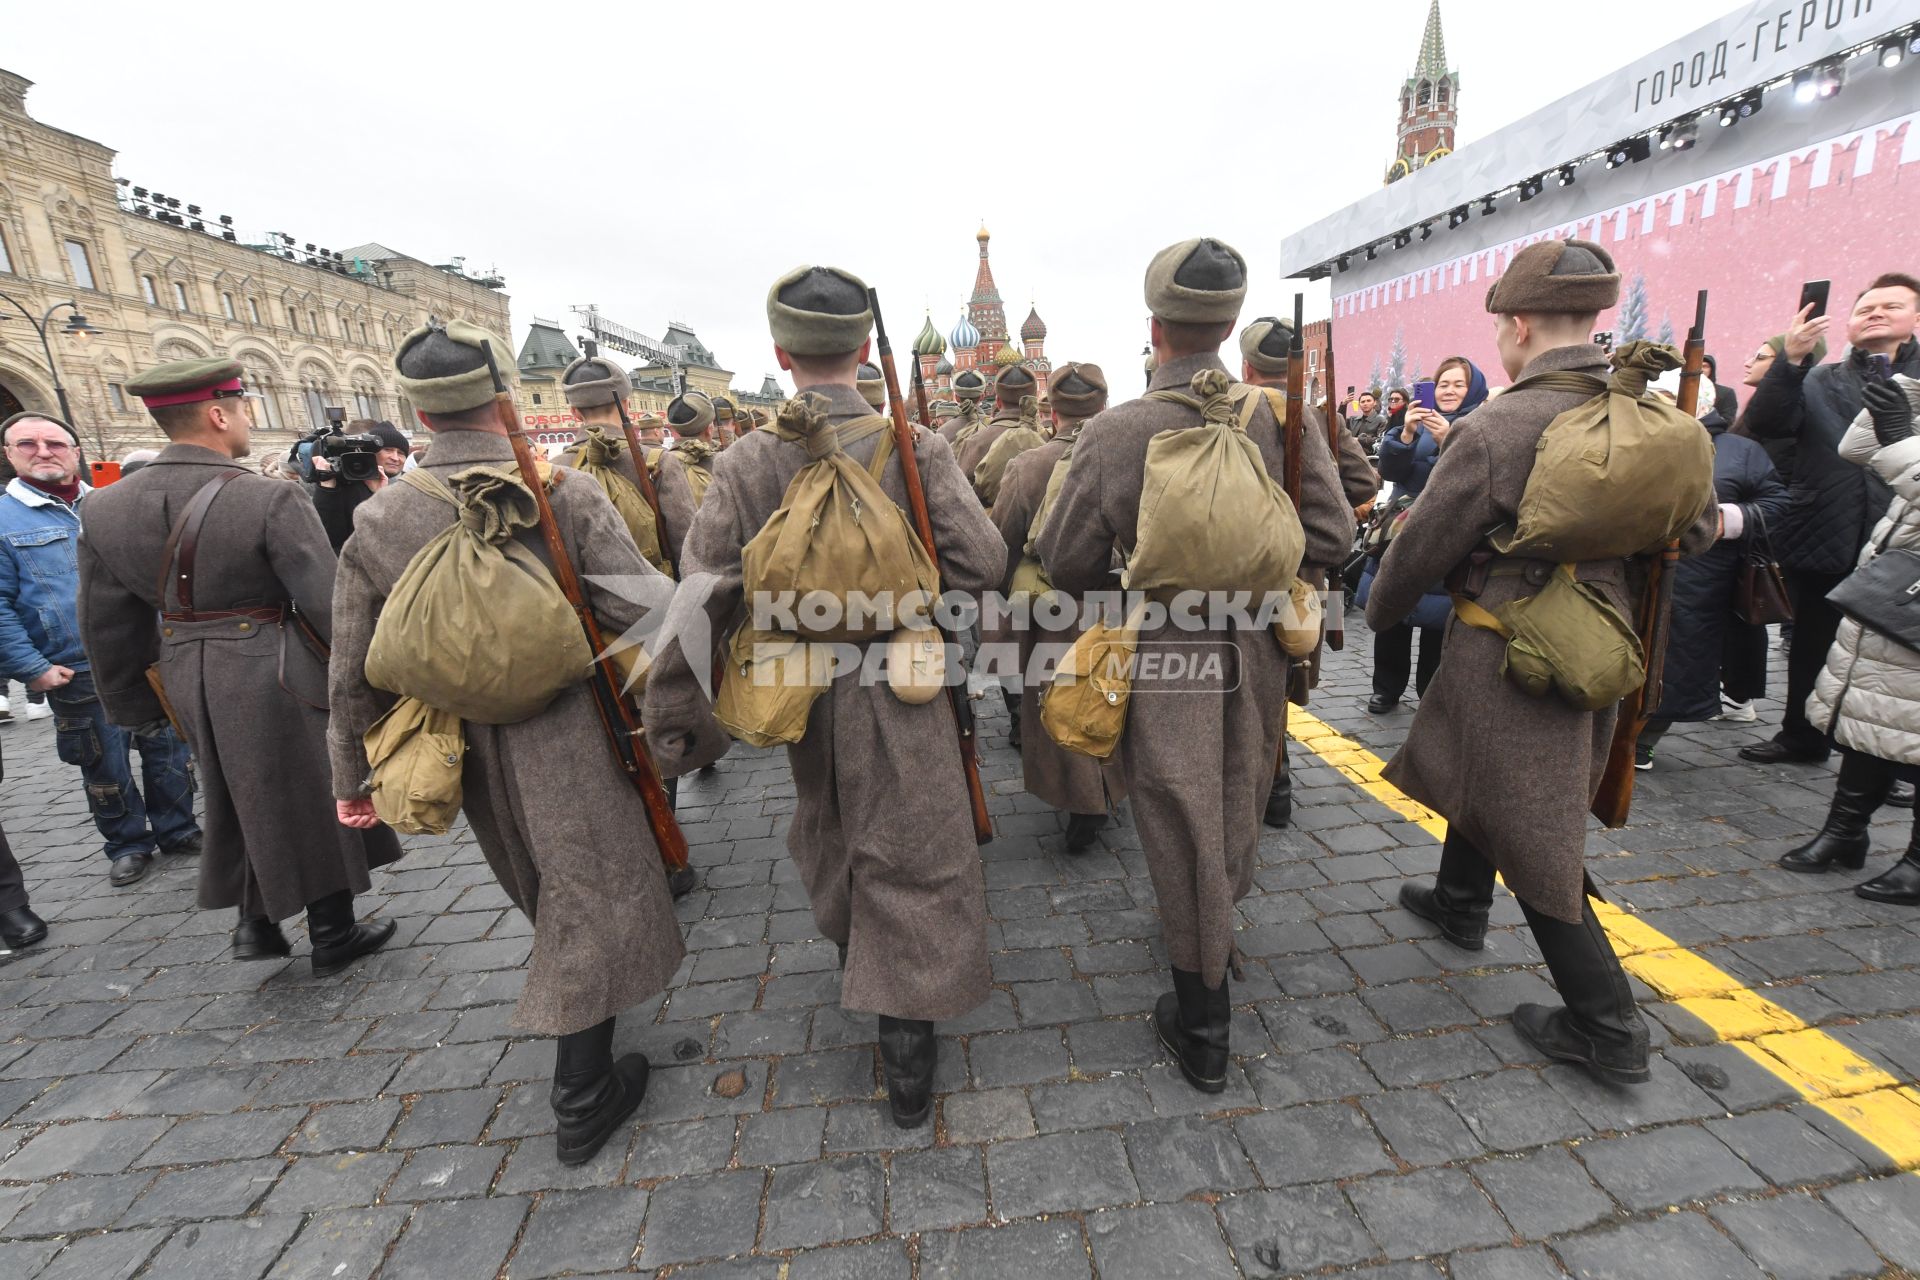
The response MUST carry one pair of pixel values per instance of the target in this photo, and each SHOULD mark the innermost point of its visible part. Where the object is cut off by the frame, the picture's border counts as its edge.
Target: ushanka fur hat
(968, 385)
(690, 414)
(591, 381)
(1077, 390)
(819, 311)
(872, 384)
(1266, 343)
(1197, 282)
(1570, 277)
(440, 368)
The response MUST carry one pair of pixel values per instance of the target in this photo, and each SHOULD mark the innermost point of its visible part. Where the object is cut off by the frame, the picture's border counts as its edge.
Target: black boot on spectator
(21, 928)
(1859, 789)
(908, 1052)
(1191, 1021)
(258, 938)
(1901, 797)
(1900, 883)
(592, 1094)
(1599, 1028)
(338, 939)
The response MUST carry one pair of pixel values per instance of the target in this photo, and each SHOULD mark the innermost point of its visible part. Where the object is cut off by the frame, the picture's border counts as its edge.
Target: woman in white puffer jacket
(1869, 694)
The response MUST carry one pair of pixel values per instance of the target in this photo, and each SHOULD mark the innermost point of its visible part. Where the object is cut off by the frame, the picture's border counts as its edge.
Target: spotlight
(1804, 89)
(1457, 217)
(1401, 239)
(226, 219)
(229, 237)
(309, 246)
(1830, 78)
(194, 210)
(139, 193)
(1566, 175)
(1893, 51)
(1486, 206)
(1426, 231)
(1531, 188)
(199, 225)
(1369, 253)
(1913, 41)
(1679, 136)
(1633, 150)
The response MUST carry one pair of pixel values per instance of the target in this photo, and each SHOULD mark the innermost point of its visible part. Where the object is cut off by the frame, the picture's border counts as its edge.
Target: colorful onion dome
(929, 343)
(944, 367)
(964, 336)
(1035, 329)
(1006, 356)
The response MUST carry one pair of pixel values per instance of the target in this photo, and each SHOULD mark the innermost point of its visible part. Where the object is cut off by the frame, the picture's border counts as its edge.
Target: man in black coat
(1834, 502)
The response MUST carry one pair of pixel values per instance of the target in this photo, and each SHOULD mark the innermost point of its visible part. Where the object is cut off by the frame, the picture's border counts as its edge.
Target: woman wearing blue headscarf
(1406, 458)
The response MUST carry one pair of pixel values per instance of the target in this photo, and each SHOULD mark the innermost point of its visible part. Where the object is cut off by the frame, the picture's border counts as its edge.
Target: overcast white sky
(671, 160)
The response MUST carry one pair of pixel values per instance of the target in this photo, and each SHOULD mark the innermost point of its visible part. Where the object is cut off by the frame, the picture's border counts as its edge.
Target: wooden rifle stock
(616, 713)
(903, 445)
(1614, 801)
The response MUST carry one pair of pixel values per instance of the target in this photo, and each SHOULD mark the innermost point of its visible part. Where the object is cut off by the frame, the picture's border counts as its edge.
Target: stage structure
(1777, 145)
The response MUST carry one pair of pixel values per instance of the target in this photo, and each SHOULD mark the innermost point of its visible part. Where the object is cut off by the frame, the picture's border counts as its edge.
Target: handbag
(1883, 595)
(1760, 597)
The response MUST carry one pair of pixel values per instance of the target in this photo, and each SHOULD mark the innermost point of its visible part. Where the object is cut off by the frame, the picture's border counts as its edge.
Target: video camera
(355, 457)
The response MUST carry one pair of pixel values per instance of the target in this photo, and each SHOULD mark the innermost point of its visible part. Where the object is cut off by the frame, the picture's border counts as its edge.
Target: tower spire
(1433, 47)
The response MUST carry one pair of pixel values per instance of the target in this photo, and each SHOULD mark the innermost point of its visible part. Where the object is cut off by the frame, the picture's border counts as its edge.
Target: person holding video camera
(1835, 502)
(343, 479)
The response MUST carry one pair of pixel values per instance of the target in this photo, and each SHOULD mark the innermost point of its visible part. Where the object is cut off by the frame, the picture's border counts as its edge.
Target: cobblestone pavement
(166, 1113)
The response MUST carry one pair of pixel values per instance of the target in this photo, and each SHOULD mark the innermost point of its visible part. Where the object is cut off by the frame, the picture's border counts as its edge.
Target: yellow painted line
(1861, 1095)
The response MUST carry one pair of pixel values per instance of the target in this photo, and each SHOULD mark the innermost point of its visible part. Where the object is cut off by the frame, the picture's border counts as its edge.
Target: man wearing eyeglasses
(40, 646)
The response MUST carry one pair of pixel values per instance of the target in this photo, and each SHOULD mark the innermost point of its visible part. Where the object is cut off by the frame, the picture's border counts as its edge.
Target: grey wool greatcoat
(1064, 779)
(251, 696)
(882, 833)
(677, 507)
(1514, 773)
(562, 829)
(954, 426)
(1198, 754)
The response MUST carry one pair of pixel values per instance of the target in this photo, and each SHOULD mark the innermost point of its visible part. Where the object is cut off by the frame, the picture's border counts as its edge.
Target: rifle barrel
(923, 524)
(616, 714)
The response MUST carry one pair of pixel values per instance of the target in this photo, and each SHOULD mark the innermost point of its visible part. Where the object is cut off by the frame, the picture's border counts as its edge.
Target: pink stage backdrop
(1833, 210)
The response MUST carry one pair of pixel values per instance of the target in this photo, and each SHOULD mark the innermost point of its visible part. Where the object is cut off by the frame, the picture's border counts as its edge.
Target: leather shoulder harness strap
(184, 541)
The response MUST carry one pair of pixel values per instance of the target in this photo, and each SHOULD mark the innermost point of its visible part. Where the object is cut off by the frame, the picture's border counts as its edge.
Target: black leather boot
(1012, 698)
(338, 939)
(1599, 1028)
(592, 1094)
(1460, 898)
(1859, 789)
(1280, 795)
(258, 938)
(907, 1054)
(1900, 883)
(1192, 1021)
(1083, 829)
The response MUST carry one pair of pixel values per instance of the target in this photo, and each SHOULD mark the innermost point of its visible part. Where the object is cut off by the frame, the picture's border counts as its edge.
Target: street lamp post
(76, 325)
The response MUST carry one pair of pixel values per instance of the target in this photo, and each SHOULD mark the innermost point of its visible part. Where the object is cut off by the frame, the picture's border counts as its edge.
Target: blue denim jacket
(39, 582)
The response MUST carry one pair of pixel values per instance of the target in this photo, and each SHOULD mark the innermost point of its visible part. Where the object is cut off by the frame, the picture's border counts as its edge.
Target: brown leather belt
(262, 614)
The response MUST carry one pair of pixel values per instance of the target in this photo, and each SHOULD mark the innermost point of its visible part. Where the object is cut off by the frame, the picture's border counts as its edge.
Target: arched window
(264, 391)
(316, 393)
(1425, 94)
(366, 396)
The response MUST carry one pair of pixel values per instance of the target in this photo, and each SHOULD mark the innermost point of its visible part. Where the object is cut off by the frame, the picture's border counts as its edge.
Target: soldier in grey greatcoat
(968, 387)
(1513, 774)
(1085, 789)
(1014, 382)
(563, 830)
(1264, 347)
(595, 388)
(1198, 753)
(881, 831)
(237, 619)
(691, 417)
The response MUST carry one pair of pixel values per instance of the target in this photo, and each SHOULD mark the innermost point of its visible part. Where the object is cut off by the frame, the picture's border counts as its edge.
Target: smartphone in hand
(1423, 394)
(1880, 367)
(1814, 293)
